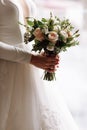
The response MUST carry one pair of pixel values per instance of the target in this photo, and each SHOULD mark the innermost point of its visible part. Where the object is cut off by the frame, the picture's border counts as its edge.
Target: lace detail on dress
(49, 119)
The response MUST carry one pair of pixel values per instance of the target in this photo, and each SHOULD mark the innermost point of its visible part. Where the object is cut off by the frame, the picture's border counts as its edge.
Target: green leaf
(35, 23)
(69, 39)
(76, 31)
(40, 23)
(44, 20)
(31, 23)
(77, 35)
(21, 24)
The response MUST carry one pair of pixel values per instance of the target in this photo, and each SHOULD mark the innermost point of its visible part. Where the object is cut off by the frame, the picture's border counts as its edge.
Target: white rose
(53, 36)
(50, 48)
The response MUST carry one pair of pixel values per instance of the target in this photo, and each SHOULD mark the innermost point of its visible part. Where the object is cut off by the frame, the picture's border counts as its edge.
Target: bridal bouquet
(51, 35)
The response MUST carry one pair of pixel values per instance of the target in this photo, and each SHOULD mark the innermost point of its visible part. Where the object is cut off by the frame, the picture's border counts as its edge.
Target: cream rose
(38, 34)
(53, 36)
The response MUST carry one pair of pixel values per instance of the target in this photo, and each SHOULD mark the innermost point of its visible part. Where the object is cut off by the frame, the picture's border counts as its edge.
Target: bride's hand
(44, 62)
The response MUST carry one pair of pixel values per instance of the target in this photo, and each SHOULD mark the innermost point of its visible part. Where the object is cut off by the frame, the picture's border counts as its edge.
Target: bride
(25, 104)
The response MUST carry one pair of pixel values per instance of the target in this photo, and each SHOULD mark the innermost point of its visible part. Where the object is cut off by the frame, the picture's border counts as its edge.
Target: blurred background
(72, 73)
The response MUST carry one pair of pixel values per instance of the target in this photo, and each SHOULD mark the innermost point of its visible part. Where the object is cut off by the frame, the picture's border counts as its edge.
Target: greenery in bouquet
(51, 35)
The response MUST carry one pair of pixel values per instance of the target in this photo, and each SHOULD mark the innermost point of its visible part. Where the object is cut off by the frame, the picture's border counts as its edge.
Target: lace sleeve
(14, 54)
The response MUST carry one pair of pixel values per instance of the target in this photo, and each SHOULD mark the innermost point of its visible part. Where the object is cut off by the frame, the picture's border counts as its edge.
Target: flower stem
(49, 76)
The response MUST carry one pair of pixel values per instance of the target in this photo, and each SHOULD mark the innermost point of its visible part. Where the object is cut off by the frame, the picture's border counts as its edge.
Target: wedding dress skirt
(25, 103)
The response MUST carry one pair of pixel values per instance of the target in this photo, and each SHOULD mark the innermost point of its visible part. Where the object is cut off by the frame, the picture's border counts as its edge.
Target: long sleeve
(14, 54)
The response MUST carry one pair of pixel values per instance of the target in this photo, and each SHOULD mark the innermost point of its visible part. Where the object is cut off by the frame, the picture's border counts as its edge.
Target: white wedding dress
(25, 103)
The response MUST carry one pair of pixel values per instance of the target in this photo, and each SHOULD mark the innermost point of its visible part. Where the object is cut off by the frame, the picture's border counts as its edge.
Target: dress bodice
(9, 28)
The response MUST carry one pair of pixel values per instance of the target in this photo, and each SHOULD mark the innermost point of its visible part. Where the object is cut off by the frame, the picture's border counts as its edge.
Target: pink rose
(53, 36)
(38, 34)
